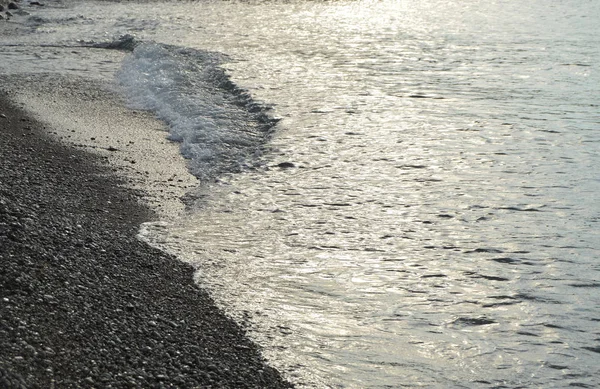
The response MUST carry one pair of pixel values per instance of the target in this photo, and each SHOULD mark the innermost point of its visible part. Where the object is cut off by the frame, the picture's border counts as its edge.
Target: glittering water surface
(439, 225)
(428, 214)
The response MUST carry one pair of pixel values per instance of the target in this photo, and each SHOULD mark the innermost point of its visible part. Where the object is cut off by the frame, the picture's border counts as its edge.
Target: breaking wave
(220, 127)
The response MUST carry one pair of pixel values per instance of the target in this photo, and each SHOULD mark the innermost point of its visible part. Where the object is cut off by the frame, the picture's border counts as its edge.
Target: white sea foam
(204, 110)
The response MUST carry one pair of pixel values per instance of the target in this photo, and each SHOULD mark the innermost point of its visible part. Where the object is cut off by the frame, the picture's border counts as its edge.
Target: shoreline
(84, 303)
(90, 115)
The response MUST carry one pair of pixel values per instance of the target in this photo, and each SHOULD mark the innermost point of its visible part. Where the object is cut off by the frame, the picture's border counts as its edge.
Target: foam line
(220, 128)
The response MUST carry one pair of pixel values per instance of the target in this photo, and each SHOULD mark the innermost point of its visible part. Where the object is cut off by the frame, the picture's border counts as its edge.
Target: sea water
(394, 193)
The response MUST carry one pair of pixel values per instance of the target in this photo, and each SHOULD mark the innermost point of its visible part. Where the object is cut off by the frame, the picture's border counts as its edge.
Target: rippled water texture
(429, 216)
(435, 221)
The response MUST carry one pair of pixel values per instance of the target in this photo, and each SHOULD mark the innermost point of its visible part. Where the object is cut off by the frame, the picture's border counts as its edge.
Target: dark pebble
(286, 165)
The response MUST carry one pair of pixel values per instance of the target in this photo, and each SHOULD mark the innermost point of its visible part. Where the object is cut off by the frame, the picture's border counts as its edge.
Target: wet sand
(90, 115)
(83, 302)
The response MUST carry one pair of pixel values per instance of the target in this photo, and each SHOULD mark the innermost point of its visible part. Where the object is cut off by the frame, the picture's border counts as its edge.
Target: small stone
(286, 165)
(13, 5)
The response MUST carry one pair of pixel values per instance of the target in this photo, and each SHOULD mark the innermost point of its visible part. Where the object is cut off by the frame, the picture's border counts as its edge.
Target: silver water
(428, 213)
(439, 225)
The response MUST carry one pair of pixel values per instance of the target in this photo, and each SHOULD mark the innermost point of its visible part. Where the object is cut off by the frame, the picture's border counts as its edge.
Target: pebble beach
(380, 194)
(84, 302)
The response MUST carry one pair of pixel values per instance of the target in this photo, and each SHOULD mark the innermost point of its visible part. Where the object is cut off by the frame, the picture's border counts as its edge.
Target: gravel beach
(83, 302)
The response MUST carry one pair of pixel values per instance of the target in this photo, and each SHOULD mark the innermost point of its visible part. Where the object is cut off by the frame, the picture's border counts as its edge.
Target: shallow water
(426, 212)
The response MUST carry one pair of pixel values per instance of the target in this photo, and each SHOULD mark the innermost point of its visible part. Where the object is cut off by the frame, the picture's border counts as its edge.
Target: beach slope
(83, 302)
